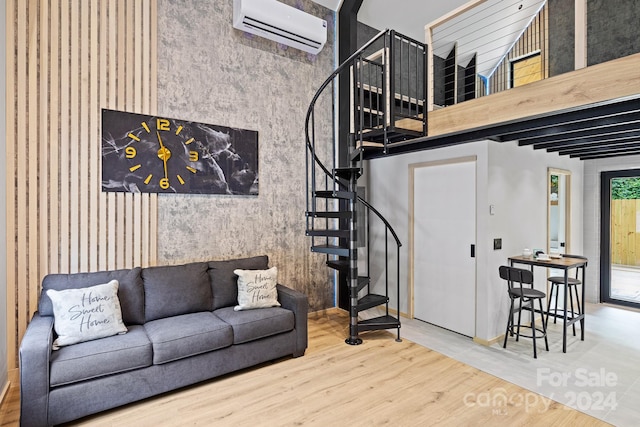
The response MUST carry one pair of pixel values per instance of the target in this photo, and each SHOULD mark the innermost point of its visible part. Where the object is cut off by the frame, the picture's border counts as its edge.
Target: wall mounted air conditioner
(284, 24)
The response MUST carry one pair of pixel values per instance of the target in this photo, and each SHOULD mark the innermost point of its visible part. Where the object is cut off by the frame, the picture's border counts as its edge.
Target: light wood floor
(380, 382)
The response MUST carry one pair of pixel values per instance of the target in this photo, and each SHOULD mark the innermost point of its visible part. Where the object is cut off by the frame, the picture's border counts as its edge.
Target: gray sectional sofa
(182, 329)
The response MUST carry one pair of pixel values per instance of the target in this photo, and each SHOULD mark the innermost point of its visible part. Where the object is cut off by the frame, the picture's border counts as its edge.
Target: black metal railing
(389, 90)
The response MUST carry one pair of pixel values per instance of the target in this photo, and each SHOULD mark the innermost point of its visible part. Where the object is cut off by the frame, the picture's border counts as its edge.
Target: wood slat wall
(534, 39)
(72, 58)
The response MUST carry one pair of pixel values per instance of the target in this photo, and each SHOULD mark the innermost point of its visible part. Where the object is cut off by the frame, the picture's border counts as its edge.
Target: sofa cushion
(251, 325)
(182, 336)
(224, 281)
(105, 356)
(86, 314)
(130, 290)
(177, 289)
(257, 289)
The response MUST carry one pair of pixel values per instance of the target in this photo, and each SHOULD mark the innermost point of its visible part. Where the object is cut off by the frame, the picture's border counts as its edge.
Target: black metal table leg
(564, 317)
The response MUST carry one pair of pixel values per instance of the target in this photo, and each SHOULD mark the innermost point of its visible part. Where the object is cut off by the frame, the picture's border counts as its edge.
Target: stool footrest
(513, 331)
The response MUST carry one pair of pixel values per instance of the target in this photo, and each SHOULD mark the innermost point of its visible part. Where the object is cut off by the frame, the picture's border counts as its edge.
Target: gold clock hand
(163, 153)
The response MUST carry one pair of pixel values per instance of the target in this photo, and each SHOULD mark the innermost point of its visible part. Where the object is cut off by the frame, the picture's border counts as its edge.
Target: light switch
(492, 209)
(497, 244)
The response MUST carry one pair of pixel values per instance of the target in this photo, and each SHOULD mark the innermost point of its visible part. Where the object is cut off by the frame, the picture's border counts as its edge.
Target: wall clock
(152, 154)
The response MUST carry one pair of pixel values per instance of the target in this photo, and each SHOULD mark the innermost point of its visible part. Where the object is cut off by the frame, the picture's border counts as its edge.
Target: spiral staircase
(387, 100)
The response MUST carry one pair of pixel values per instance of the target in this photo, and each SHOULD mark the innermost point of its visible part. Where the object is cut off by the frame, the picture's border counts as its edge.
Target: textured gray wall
(613, 29)
(210, 72)
(561, 36)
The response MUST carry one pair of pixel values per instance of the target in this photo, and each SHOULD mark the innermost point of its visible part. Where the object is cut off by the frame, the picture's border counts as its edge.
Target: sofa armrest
(299, 304)
(35, 354)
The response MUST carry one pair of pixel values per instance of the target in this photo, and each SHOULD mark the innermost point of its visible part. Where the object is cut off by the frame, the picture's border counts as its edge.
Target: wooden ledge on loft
(614, 79)
(586, 100)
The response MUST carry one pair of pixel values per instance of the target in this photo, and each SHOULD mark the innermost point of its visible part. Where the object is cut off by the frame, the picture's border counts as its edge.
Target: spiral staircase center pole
(353, 339)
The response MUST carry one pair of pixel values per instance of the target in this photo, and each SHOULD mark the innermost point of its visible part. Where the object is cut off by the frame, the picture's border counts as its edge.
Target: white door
(444, 231)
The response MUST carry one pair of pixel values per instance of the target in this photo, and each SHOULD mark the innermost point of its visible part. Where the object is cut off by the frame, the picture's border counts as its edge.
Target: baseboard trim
(490, 342)
(500, 338)
(325, 312)
(5, 391)
(14, 375)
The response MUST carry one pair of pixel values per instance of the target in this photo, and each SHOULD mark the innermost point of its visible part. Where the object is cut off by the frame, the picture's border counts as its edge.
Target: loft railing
(389, 90)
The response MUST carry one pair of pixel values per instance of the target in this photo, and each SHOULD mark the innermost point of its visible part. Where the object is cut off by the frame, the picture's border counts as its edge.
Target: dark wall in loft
(613, 29)
(561, 36)
(438, 79)
(460, 83)
(366, 33)
(405, 59)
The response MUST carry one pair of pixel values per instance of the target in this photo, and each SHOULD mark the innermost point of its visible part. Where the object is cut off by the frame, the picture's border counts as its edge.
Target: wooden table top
(563, 263)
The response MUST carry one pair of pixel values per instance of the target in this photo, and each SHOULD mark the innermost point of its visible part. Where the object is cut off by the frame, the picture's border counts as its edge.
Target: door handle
(473, 251)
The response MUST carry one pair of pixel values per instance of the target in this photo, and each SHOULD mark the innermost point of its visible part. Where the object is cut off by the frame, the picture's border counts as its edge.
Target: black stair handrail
(321, 89)
(382, 218)
(310, 110)
(334, 183)
(310, 145)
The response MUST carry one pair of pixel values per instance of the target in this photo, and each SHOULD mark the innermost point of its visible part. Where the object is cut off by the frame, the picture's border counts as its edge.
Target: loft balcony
(510, 71)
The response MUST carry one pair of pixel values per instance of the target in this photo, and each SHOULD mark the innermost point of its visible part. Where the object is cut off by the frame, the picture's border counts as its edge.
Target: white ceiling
(408, 17)
(329, 4)
(490, 29)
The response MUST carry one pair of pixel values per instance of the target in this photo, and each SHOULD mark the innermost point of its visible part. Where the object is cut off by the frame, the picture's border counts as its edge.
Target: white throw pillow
(86, 314)
(257, 289)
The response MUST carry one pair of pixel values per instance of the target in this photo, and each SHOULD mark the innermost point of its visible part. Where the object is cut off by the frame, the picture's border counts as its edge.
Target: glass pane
(625, 239)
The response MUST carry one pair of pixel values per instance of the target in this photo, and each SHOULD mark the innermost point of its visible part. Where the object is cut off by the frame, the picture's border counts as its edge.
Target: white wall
(514, 180)
(3, 204)
(518, 190)
(592, 170)
(388, 189)
(409, 17)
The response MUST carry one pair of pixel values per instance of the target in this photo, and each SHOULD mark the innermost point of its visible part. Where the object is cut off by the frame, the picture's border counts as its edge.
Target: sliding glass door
(620, 237)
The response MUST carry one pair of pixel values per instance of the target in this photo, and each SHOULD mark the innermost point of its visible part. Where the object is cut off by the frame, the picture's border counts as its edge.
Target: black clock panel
(153, 154)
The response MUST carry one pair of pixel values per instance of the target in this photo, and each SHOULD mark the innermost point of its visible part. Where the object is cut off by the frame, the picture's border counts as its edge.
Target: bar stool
(526, 296)
(572, 285)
